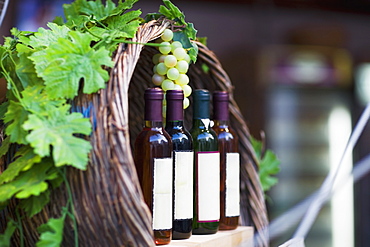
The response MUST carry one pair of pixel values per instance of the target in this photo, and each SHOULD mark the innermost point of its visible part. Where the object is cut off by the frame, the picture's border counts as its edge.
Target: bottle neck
(174, 124)
(221, 123)
(153, 124)
(202, 123)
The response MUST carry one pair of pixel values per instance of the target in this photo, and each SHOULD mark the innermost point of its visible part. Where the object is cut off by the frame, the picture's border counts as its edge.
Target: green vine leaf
(269, 165)
(5, 237)
(26, 159)
(28, 183)
(58, 130)
(51, 233)
(14, 118)
(127, 24)
(34, 204)
(69, 61)
(5, 144)
(45, 37)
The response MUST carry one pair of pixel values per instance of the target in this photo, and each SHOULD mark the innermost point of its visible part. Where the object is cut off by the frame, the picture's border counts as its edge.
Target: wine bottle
(153, 160)
(206, 167)
(183, 157)
(229, 161)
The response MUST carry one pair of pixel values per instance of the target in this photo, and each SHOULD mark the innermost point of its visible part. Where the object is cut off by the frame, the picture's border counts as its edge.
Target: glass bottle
(153, 160)
(206, 167)
(229, 161)
(183, 156)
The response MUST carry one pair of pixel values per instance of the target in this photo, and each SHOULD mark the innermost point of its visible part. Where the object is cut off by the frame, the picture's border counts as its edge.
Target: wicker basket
(108, 203)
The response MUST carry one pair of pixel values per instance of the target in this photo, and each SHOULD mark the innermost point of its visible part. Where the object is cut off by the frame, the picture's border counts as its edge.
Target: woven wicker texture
(108, 203)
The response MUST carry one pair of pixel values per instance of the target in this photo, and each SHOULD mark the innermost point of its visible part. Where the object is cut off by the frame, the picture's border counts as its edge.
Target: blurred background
(301, 70)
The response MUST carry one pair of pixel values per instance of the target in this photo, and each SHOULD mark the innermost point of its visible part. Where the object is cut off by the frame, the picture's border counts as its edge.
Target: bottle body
(206, 168)
(229, 176)
(153, 161)
(229, 163)
(183, 156)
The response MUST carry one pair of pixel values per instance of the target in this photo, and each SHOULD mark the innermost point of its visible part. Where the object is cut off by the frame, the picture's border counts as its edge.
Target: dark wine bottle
(153, 160)
(183, 157)
(206, 167)
(229, 161)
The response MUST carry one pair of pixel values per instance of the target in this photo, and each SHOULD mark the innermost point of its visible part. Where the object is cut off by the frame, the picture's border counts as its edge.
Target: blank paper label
(232, 206)
(162, 194)
(183, 185)
(208, 186)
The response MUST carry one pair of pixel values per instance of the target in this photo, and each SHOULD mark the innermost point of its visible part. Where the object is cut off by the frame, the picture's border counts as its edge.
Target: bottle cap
(175, 105)
(201, 98)
(153, 104)
(221, 105)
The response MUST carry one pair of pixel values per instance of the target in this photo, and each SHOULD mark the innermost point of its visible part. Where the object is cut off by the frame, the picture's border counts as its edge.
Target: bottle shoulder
(153, 135)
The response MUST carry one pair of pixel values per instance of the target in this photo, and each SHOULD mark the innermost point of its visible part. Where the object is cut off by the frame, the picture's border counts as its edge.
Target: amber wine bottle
(183, 156)
(153, 160)
(229, 161)
(206, 167)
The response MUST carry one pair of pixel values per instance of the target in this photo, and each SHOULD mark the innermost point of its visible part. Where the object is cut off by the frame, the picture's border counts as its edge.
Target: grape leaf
(45, 37)
(3, 109)
(57, 130)
(28, 183)
(172, 12)
(25, 69)
(4, 146)
(268, 166)
(70, 61)
(26, 159)
(127, 23)
(14, 117)
(5, 237)
(34, 204)
(51, 233)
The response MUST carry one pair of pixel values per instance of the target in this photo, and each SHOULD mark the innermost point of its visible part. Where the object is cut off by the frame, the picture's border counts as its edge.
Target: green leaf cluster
(269, 165)
(45, 70)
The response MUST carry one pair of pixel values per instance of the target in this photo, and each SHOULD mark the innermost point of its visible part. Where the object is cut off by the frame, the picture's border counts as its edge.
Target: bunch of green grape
(171, 65)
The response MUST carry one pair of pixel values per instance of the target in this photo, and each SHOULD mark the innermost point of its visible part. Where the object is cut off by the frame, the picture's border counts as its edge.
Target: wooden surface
(242, 236)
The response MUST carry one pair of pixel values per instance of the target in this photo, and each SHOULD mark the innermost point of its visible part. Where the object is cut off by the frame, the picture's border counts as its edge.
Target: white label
(162, 194)
(183, 185)
(232, 204)
(208, 186)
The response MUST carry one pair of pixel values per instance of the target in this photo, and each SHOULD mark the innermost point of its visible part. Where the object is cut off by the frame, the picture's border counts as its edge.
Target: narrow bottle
(206, 167)
(229, 162)
(183, 157)
(153, 160)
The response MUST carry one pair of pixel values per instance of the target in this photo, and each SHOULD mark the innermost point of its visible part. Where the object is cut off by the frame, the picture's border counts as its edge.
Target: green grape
(177, 87)
(155, 69)
(175, 44)
(157, 79)
(182, 66)
(173, 74)
(179, 53)
(167, 35)
(165, 47)
(182, 80)
(161, 58)
(187, 58)
(155, 58)
(161, 69)
(170, 61)
(164, 101)
(167, 85)
(186, 103)
(187, 90)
